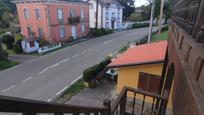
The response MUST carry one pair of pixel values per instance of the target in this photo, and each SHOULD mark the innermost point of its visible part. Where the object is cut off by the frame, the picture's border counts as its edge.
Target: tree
(146, 11)
(8, 39)
(135, 17)
(128, 7)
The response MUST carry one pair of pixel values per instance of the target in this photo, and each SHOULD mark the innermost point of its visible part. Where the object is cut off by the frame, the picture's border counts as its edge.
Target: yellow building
(137, 63)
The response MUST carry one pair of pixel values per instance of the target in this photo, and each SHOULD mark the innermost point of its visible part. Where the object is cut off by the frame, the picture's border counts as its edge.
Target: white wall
(92, 12)
(110, 11)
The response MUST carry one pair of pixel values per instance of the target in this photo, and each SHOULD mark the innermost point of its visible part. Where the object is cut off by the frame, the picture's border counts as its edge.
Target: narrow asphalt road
(45, 77)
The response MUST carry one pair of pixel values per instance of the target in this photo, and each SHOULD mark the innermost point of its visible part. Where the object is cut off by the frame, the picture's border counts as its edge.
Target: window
(91, 5)
(37, 14)
(82, 28)
(107, 8)
(113, 15)
(59, 14)
(26, 13)
(40, 32)
(107, 16)
(82, 14)
(29, 29)
(72, 13)
(118, 16)
(118, 9)
(118, 24)
(107, 25)
(61, 32)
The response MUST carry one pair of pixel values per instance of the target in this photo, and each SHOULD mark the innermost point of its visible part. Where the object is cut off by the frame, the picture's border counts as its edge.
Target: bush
(8, 40)
(103, 31)
(4, 55)
(100, 32)
(43, 42)
(17, 46)
(135, 17)
(109, 31)
(92, 72)
(137, 25)
(165, 28)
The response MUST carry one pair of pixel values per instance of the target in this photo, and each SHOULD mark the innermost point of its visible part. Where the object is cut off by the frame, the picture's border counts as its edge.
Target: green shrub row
(165, 28)
(100, 32)
(92, 72)
(137, 25)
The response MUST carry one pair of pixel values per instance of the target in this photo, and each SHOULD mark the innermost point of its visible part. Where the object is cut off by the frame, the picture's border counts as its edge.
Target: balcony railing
(119, 107)
(149, 104)
(188, 15)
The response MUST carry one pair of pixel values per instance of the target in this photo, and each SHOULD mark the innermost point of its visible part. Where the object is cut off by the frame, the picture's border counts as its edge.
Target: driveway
(94, 97)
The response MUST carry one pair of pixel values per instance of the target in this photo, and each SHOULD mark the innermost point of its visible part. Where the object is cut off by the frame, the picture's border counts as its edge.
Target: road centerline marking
(27, 79)
(75, 56)
(83, 52)
(5, 90)
(65, 60)
(43, 71)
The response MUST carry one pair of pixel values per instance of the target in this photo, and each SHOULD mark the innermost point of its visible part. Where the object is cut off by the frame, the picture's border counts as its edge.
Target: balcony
(123, 105)
(73, 20)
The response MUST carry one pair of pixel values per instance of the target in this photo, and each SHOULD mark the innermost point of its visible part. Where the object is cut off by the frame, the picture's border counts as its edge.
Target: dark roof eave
(135, 64)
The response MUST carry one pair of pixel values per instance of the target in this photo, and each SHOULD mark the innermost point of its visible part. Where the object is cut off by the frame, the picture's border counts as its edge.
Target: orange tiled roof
(142, 54)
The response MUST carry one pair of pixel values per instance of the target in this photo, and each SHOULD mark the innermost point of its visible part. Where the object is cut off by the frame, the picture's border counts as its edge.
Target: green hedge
(92, 72)
(17, 47)
(165, 28)
(136, 25)
(100, 32)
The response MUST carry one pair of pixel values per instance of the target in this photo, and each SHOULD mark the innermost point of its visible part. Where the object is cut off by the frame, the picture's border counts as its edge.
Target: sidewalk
(94, 97)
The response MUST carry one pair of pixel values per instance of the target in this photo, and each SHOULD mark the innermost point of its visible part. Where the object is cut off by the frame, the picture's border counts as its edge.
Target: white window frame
(26, 13)
(107, 25)
(61, 32)
(37, 14)
(82, 27)
(107, 15)
(82, 14)
(60, 14)
(40, 32)
(72, 13)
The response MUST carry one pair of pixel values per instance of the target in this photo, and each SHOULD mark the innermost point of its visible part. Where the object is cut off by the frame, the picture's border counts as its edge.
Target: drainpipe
(96, 26)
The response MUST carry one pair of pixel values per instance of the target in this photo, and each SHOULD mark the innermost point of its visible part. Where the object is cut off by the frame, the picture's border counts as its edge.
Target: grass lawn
(7, 64)
(72, 90)
(163, 36)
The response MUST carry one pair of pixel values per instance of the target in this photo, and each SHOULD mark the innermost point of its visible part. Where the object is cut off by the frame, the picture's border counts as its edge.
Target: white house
(110, 14)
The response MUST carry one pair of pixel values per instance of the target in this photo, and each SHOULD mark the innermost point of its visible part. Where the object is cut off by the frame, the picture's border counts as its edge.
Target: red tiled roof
(142, 54)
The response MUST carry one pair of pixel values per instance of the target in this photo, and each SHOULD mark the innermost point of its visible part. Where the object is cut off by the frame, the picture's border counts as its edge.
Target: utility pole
(151, 21)
(161, 17)
(96, 26)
